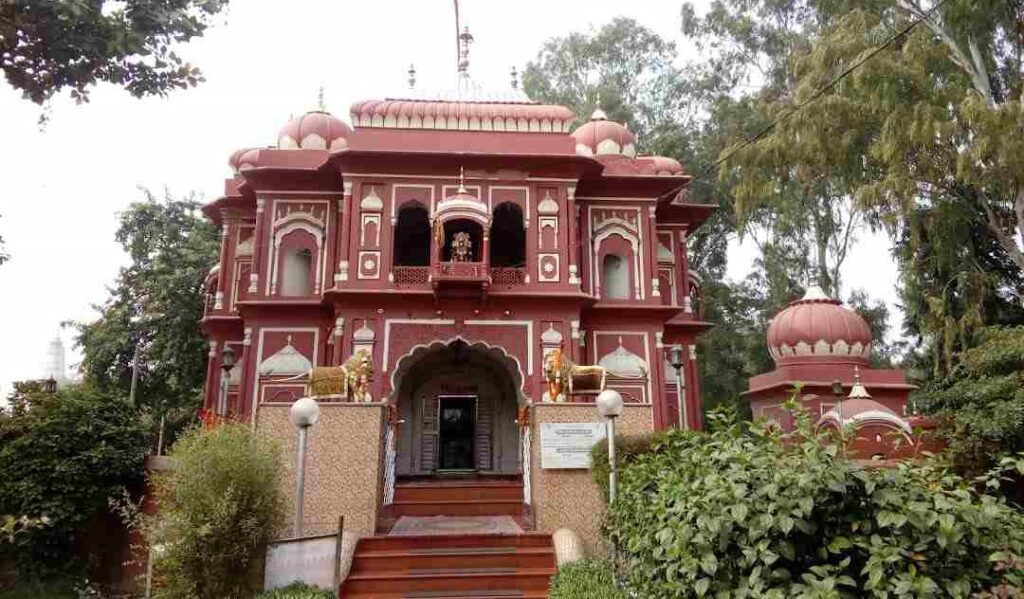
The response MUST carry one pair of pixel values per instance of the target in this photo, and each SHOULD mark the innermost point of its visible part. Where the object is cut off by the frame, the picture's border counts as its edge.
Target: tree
(47, 46)
(925, 134)
(983, 399)
(220, 507)
(63, 455)
(625, 67)
(155, 307)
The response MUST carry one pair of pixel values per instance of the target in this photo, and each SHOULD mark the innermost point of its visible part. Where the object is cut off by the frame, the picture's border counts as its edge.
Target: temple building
(822, 354)
(447, 272)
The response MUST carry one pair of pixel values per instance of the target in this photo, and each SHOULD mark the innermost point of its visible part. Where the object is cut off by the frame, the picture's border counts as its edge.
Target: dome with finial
(315, 130)
(462, 204)
(602, 137)
(817, 327)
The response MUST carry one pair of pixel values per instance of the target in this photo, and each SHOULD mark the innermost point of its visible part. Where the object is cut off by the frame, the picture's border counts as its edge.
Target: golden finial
(462, 180)
(320, 100)
(412, 76)
(515, 78)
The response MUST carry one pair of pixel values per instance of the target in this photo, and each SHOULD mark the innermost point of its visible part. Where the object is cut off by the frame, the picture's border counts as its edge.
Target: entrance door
(457, 430)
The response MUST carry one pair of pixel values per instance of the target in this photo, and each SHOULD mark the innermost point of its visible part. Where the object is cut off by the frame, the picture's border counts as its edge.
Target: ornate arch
(406, 361)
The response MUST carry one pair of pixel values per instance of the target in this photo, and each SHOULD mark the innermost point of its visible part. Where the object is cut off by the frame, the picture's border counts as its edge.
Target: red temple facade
(450, 243)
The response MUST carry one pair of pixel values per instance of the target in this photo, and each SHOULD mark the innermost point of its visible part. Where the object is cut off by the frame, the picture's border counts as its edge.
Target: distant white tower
(55, 368)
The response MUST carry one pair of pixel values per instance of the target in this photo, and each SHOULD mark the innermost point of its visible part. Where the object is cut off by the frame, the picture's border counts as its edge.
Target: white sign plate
(567, 445)
(308, 560)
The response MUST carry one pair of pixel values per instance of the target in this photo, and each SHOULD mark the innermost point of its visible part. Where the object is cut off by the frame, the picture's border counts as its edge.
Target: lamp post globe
(609, 403)
(304, 412)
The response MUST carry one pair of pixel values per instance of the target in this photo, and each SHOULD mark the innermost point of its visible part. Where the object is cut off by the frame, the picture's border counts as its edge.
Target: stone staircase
(464, 566)
(458, 555)
(461, 496)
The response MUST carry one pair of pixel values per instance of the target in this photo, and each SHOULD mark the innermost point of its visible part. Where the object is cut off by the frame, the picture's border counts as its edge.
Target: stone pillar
(257, 248)
(344, 235)
(571, 228)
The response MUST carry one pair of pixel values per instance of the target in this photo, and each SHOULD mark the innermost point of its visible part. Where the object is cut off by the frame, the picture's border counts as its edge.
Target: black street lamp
(675, 358)
(228, 359)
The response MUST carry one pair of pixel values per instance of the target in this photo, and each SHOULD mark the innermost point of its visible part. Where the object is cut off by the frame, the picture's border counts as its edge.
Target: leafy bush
(62, 455)
(982, 401)
(627, 447)
(218, 509)
(768, 514)
(585, 579)
(297, 590)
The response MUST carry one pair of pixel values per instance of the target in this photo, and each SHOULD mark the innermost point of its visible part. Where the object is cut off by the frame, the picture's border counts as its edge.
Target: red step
(457, 507)
(435, 493)
(438, 541)
(450, 558)
(484, 566)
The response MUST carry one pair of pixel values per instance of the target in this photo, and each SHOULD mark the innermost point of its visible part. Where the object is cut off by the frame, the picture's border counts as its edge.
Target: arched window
(296, 280)
(615, 277)
(508, 237)
(412, 236)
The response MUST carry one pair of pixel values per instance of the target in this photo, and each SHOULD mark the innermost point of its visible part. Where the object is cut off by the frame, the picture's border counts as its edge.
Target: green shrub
(765, 514)
(297, 590)
(585, 579)
(218, 509)
(63, 455)
(627, 448)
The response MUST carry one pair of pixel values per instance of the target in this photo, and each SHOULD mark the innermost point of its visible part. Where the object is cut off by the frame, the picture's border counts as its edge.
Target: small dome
(315, 130)
(463, 205)
(243, 159)
(623, 363)
(601, 137)
(817, 326)
(865, 411)
(662, 166)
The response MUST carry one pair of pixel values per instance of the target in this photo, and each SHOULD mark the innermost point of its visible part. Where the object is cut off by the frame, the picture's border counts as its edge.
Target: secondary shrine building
(464, 255)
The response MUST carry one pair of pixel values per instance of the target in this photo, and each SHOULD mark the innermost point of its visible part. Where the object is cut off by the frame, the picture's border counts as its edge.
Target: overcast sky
(61, 188)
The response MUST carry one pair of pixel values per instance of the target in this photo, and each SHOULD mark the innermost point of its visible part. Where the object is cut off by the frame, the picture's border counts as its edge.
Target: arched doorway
(458, 402)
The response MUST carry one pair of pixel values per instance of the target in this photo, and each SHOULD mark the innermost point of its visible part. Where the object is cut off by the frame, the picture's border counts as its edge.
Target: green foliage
(297, 590)
(63, 455)
(627, 447)
(982, 401)
(585, 579)
(46, 46)
(219, 508)
(767, 514)
(155, 306)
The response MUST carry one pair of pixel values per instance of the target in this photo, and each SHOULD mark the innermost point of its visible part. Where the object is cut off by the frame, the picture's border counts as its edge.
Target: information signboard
(567, 444)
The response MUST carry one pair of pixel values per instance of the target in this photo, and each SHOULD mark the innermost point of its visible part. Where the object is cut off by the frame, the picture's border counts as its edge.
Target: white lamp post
(609, 405)
(304, 414)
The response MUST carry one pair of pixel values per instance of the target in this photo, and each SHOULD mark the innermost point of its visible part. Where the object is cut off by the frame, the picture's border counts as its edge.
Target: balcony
(460, 278)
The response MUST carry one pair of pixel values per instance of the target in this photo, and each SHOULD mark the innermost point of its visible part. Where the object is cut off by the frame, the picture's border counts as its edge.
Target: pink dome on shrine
(817, 326)
(243, 159)
(662, 166)
(601, 137)
(315, 130)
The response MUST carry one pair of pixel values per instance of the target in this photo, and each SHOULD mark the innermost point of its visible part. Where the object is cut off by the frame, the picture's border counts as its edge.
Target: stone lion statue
(350, 380)
(565, 378)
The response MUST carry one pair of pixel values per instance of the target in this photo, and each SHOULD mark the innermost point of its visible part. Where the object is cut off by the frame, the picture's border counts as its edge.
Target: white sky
(61, 189)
